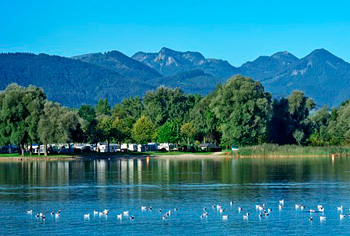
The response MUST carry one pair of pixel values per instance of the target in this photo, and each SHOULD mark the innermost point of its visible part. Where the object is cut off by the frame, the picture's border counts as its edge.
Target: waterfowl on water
(87, 216)
(120, 216)
(260, 208)
(281, 202)
(322, 218)
(125, 213)
(30, 212)
(131, 217)
(310, 218)
(341, 216)
(240, 209)
(143, 208)
(95, 212)
(340, 208)
(225, 217)
(280, 207)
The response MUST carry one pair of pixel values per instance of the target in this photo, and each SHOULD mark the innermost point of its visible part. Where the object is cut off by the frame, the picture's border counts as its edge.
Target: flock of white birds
(262, 211)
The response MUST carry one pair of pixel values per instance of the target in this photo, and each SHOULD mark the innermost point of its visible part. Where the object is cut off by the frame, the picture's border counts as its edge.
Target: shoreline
(185, 156)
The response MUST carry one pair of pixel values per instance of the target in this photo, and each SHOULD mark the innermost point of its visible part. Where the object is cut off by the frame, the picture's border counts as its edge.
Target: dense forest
(239, 112)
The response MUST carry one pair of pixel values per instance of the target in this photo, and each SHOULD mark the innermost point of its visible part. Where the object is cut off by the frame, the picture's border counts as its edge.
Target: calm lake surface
(79, 187)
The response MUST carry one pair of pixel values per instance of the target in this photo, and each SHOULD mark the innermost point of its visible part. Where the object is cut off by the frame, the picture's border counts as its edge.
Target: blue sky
(236, 31)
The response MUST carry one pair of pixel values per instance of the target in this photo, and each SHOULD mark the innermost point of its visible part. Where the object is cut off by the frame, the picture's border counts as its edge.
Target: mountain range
(83, 79)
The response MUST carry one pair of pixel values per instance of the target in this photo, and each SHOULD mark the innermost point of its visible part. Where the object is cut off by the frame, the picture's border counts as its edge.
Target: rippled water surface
(79, 187)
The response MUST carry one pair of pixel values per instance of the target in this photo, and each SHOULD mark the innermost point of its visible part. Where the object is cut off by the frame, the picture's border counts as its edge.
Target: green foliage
(88, 124)
(243, 109)
(143, 130)
(103, 107)
(338, 130)
(105, 127)
(290, 123)
(126, 113)
(188, 131)
(48, 125)
(167, 104)
(168, 133)
(204, 120)
(319, 122)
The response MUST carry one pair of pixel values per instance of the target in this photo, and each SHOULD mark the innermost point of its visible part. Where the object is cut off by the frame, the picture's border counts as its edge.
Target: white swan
(224, 217)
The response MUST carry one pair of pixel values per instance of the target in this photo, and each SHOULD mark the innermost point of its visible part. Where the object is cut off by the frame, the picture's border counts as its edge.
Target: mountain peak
(283, 55)
(323, 55)
(166, 50)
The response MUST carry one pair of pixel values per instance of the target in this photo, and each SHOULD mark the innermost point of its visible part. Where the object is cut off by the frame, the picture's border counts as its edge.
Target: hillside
(112, 75)
(121, 64)
(67, 81)
(321, 75)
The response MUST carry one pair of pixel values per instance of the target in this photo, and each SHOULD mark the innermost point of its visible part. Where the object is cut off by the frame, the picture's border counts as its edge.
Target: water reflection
(121, 184)
(136, 171)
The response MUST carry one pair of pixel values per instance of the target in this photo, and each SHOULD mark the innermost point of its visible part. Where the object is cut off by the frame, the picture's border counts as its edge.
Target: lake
(80, 187)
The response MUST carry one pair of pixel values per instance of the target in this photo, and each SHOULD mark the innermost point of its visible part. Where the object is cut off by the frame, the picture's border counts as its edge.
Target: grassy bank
(267, 150)
(17, 157)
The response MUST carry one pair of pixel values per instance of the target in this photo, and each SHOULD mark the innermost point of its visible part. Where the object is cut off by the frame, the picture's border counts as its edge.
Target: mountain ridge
(83, 79)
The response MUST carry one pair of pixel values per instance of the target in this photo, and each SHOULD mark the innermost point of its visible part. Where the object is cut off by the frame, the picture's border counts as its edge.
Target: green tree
(143, 130)
(103, 107)
(338, 129)
(243, 109)
(167, 103)
(105, 128)
(34, 100)
(319, 122)
(188, 131)
(290, 121)
(203, 117)
(89, 124)
(126, 113)
(48, 127)
(69, 125)
(167, 133)
(13, 116)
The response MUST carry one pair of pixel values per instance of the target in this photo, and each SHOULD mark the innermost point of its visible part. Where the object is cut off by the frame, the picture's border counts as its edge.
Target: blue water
(79, 187)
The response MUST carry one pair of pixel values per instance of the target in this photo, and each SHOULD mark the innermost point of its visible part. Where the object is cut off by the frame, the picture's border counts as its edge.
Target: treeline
(239, 112)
